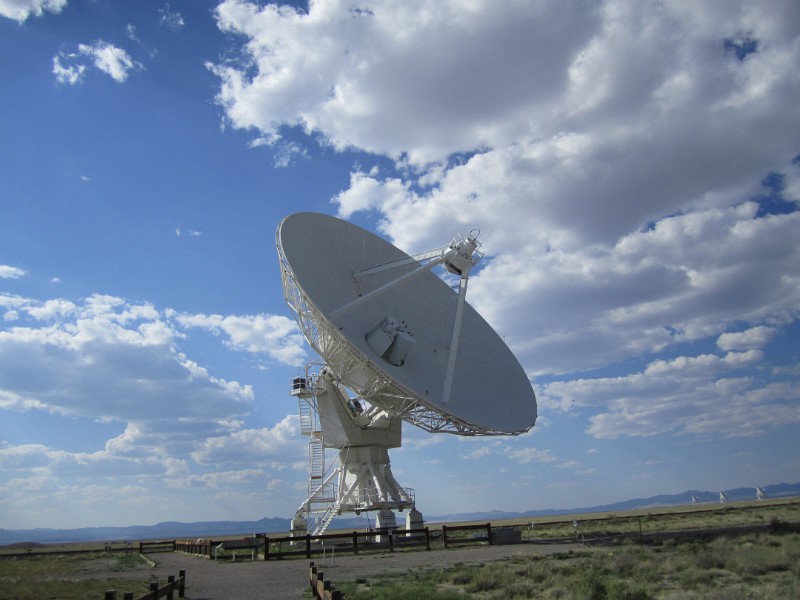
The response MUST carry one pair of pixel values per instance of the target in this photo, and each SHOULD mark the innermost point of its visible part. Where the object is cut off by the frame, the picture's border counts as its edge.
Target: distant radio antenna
(695, 500)
(723, 497)
(760, 493)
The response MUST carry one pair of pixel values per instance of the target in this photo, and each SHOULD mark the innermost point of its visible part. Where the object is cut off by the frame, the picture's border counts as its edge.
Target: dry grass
(750, 566)
(71, 577)
(756, 566)
(592, 526)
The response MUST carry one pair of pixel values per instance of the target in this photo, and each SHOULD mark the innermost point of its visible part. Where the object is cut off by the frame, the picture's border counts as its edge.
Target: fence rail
(157, 546)
(487, 527)
(157, 592)
(356, 541)
(309, 545)
(210, 548)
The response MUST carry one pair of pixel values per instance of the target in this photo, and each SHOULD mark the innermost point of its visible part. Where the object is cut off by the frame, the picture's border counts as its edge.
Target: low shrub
(731, 568)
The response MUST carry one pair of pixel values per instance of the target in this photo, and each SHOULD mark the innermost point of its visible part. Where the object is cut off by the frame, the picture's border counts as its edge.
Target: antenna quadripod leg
(454, 340)
(362, 480)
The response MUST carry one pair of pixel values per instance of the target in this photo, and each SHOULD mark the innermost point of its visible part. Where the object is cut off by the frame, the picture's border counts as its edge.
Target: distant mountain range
(209, 529)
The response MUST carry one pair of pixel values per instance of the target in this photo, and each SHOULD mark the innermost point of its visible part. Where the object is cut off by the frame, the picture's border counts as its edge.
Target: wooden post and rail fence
(156, 546)
(322, 588)
(156, 592)
(309, 545)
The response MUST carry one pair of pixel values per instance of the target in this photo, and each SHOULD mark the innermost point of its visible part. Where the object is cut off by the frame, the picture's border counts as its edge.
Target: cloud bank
(111, 361)
(634, 167)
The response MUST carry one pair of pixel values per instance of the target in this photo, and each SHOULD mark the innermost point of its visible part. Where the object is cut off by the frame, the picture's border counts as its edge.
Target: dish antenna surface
(397, 344)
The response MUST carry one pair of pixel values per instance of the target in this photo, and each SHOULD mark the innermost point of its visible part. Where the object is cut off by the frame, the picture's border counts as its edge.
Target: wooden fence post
(355, 543)
(154, 588)
(128, 596)
(444, 535)
(308, 545)
(171, 581)
(182, 583)
(489, 532)
(111, 595)
(312, 577)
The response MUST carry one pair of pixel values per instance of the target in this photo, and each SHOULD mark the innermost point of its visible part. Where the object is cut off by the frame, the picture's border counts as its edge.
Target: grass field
(755, 566)
(611, 566)
(72, 576)
(591, 526)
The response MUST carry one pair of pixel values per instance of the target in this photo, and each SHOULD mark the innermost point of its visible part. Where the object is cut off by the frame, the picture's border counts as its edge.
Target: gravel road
(258, 580)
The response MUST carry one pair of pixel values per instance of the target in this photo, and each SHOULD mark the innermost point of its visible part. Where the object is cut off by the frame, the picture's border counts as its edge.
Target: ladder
(322, 526)
(316, 461)
(306, 416)
(310, 426)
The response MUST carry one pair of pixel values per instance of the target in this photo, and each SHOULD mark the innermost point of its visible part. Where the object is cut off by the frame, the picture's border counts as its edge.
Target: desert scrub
(66, 589)
(65, 564)
(419, 585)
(599, 582)
(67, 577)
(759, 556)
(494, 576)
(752, 567)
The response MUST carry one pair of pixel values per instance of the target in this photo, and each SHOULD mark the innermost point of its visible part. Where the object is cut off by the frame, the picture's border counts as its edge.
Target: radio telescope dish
(403, 341)
(322, 257)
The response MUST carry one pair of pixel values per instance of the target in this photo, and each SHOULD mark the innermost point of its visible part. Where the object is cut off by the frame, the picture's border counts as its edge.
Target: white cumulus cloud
(71, 67)
(700, 395)
(755, 337)
(110, 59)
(8, 272)
(20, 10)
(275, 335)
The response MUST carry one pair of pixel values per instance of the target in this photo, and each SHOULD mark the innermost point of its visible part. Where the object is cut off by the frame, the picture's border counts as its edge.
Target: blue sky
(634, 168)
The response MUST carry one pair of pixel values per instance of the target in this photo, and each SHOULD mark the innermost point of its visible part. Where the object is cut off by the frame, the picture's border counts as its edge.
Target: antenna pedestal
(362, 479)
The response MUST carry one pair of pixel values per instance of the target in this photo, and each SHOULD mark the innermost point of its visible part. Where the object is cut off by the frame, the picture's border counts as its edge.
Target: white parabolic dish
(319, 255)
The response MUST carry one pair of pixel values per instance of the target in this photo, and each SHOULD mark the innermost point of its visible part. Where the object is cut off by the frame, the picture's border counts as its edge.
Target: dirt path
(259, 580)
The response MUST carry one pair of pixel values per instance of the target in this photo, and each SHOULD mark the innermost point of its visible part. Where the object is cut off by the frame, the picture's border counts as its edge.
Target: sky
(633, 167)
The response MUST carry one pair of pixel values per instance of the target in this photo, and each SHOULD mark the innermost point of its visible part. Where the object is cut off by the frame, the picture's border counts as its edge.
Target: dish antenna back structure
(397, 344)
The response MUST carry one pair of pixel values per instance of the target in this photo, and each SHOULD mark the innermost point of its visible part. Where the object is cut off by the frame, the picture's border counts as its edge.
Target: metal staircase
(326, 519)
(321, 508)
(309, 425)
